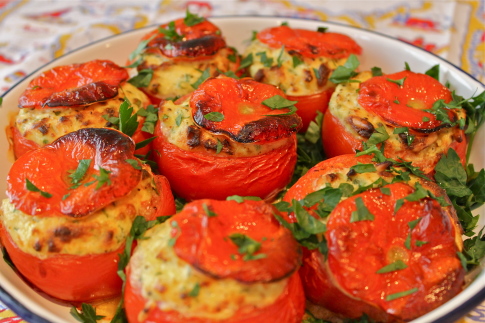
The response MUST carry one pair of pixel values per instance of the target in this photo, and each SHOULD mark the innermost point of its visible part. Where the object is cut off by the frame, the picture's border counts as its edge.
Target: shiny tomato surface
(203, 228)
(106, 148)
(177, 40)
(68, 277)
(308, 105)
(310, 43)
(75, 84)
(288, 308)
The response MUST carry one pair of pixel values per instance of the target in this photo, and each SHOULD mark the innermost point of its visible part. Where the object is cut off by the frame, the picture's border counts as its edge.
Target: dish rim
(456, 313)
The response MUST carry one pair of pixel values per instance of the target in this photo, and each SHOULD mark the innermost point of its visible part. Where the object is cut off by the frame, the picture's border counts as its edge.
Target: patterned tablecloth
(33, 32)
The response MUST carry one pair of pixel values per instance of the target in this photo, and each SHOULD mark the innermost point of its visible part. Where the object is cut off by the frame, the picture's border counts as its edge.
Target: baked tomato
(229, 137)
(216, 261)
(178, 55)
(402, 110)
(71, 97)
(69, 210)
(408, 241)
(300, 62)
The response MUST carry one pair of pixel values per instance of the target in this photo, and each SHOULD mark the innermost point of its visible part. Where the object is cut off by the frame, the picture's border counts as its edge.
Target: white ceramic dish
(378, 50)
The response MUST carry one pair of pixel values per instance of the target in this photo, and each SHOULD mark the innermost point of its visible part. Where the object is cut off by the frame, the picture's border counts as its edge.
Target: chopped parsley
(277, 102)
(151, 117)
(214, 116)
(394, 296)
(203, 76)
(208, 210)
(247, 247)
(142, 79)
(362, 213)
(192, 19)
(170, 32)
(396, 265)
(399, 82)
(345, 73)
(86, 315)
(31, 187)
(80, 172)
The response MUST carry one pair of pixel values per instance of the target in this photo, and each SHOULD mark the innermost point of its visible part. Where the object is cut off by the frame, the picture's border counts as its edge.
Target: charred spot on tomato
(267, 129)
(83, 95)
(74, 85)
(236, 108)
(193, 136)
(323, 74)
(195, 48)
(362, 126)
(259, 76)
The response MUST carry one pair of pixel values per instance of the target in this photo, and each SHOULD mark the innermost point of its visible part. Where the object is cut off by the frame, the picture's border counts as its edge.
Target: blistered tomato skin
(248, 150)
(108, 149)
(382, 103)
(422, 235)
(310, 43)
(403, 105)
(76, 84)
(197, 41)
(203, 233)
(68, 277)
(70, 207)
(433, 273)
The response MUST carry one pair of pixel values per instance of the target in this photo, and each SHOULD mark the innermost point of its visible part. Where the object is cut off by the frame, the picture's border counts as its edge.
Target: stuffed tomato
(300, 62)
(410, 112)
(229, 137)
(178, 55)
(70, 207)
(216, 261)
(71, 97)
(389, 241)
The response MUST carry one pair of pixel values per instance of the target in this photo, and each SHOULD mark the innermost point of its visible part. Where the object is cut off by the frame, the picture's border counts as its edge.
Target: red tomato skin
(288, 308)
(20, 144)
(308, 105)
(335, 139)
(68, 277)
(194, 176)
(320, 290)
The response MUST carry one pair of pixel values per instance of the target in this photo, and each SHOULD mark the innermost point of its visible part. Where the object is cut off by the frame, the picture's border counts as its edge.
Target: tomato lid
(177, 40)
(236, 108)
(75, 175)
(75, 84)
(310, 43)
(242, 241)
(408, 248)
(402, 97)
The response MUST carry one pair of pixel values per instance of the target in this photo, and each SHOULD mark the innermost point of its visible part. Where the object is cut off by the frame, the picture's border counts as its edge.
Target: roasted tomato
(182, 53)
(398, 106)
(71, 97)
(406, 239)
(216, 261)
(70, 208)
(300, 62)
(223, 140)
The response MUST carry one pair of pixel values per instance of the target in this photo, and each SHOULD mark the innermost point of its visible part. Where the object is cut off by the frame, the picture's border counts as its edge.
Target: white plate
(378, 50)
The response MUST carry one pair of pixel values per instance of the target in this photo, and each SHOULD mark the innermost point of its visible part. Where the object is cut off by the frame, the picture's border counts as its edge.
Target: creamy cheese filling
(344, 106)
(173, 79)
(100, 232)
(280, 69)
(172, 284)
(176, 122)
(43, 126)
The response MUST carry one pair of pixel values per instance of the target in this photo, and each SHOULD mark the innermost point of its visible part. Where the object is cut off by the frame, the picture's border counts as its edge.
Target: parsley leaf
(214, 116)
(401, 294)
(277, 102)
(246, 246)
(363, 168)
(264, 59)
(151, 117)
(203, 76)
(246, 61)
(343, 74)
(399, 82)
(362, 213)
(170, 32)
(434, 72)
(86, 315)
(31, 187)
(296, 60)
(396, 265)
(142, 79)
(128, 121)
(102, 178)
(376, 71)
(195, 290)
(192, 19)
(241, 199)
(208, 210)
(77, 175)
